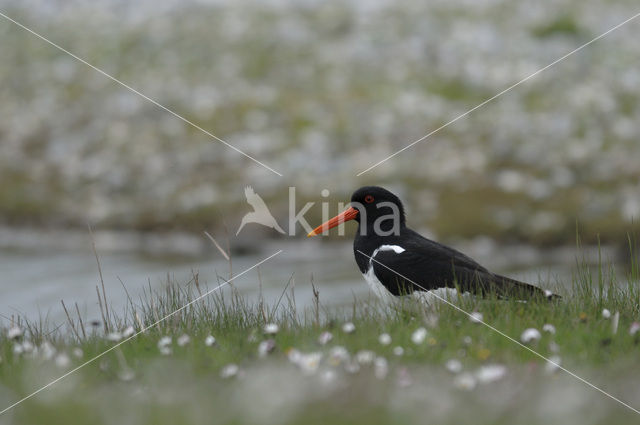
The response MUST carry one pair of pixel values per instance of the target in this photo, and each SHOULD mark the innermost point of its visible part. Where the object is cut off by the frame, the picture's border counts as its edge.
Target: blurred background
(319, 91)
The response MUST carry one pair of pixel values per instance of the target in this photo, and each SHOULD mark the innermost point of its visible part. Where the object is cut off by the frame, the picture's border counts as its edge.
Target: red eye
(368, 199)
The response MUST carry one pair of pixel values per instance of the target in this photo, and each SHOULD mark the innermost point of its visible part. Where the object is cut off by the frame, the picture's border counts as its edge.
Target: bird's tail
(505, 287)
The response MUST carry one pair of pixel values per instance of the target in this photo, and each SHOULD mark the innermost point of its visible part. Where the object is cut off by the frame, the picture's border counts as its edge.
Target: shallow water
(36, 273)
(33, 280)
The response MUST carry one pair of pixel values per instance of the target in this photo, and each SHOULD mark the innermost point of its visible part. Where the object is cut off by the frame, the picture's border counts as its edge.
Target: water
(34, 280)
(39, 270)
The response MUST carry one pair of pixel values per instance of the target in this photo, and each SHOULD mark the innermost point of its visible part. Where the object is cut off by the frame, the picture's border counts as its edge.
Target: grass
(301, 375)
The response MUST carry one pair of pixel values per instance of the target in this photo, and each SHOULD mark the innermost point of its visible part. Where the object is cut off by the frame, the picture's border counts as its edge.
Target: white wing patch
(395, 248)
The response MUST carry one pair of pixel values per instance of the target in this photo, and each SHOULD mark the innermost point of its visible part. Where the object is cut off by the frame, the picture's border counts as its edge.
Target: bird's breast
(374, 283)
(376, 286)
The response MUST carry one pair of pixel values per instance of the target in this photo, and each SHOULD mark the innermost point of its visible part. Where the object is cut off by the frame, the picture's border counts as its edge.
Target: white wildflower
(128, 331)
(530, 335)
(266, 347)
(63, 361)
(114, 336)
(553, 364)
(27, 346)
(606, 314)
(398, 351)
(164, 345)
(476, 317)
(634, 328)
(294, 355)
(183, 340)
(454, 366)
(380, 367)
(419, 335)
(338, 355)
(328, 376)
(491, 373)
(384, 339)
(365, 357)
(465, 381)
(229, 371)
(309, 363)
(46, 350)
(77, 352)
(14, 333)
(325, 337)
(348, 328)
(271, 328)
(548, 327)
(209, 341)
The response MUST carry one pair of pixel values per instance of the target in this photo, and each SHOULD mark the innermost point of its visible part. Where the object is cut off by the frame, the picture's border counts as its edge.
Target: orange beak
(348, 214)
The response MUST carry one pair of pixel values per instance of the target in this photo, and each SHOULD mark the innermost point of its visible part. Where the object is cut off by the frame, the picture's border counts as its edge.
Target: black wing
(427, 265)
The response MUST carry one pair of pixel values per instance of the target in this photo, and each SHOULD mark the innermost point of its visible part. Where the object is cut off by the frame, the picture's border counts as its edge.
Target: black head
(377, 211)
(376, 204)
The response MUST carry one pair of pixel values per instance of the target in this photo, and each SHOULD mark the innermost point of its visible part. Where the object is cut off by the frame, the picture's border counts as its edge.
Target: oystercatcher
(397, 261)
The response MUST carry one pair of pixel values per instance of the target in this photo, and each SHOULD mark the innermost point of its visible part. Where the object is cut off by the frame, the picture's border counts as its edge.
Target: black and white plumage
(397, 261)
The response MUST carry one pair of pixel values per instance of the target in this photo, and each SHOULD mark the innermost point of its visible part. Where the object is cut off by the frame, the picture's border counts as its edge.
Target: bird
(260, 214)
(397, 261)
